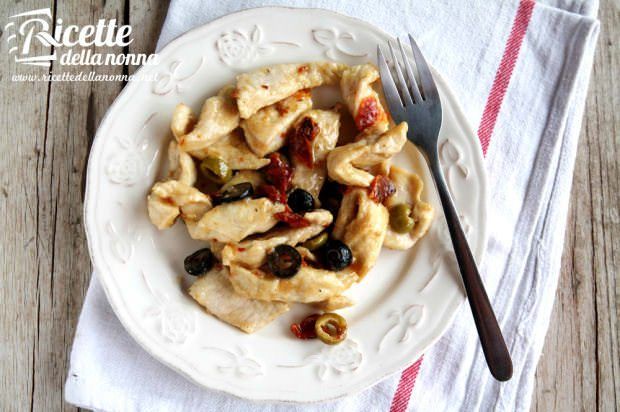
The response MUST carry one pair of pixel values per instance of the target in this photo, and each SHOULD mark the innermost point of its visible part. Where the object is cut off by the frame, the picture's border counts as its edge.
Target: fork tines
(407, 92)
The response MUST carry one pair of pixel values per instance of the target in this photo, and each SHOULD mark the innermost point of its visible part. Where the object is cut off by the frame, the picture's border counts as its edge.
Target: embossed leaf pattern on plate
(344, 358)
(174, 77)
(239, 48)
(122, 246)
(336, 42)
(176, 323)
(403, 322)
(452, 159)
(238, 362)
(128, 165)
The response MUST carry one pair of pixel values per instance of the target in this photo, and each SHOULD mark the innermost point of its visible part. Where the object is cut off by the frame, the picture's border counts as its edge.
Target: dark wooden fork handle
(491, 339)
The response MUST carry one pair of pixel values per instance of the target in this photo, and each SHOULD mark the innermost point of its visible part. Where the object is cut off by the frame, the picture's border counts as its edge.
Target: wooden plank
(147, 18)
(580, 369)
(22, 128)
(46, 129)
(74, 109)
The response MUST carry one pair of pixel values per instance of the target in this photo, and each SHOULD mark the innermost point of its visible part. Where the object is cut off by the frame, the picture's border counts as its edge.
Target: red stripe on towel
(504, 73)
(400, 402)
(405, 387)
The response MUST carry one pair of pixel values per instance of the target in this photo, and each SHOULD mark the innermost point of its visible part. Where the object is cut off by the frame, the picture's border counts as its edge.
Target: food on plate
(253, 177)
(216, 170)
(361, 224)
(349, 164)
(233, 149)
(290, 207)
(284, 261)
(218, 117)
(410, 217)
(266, 130)
(316, 242)
(300, 201)
(269, 85)
(181, 165)
(172, 198)
(310, 140)
(234, 221)
(252, 253)
(215, 293)
(336, 255)
(305, 328)
(330, 328)
(334, 303)
(199, 262)
(362, 99)
(309, 284)
(235, 192)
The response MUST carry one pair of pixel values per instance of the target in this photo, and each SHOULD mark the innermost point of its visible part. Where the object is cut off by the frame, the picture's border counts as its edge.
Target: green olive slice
(316, 242)
(400, 218)
(331, 328)
(216, 170)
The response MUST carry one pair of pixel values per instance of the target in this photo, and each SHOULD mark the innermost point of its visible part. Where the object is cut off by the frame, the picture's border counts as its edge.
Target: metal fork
(420, 107)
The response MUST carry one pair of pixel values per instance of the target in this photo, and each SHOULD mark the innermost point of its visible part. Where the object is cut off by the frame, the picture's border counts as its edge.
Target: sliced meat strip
(252, 253)
(308, 285)
(361, 224)
(269, 85)
(232, 222)
(266, 130)
(215, 293)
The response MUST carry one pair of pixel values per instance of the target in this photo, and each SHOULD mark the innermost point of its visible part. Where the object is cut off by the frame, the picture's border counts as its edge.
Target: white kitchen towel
(521, 71)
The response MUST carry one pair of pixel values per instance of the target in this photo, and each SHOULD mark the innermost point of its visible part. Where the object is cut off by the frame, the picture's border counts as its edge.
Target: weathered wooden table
(45, 133)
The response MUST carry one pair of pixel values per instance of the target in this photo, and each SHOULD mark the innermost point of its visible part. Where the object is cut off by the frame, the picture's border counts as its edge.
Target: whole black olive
(300, 201)
(199, 262)
(284, 262)
(337, 255)
(233, 193)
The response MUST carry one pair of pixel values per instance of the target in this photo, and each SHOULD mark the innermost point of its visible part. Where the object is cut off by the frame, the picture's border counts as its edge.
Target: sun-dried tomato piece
(302, 94)
(305, 328)
(271, 192)
(300, 141)
(368, 113)
(291, 218)
(279, 172)
(381, 188)
(168, 200)
(281, 109)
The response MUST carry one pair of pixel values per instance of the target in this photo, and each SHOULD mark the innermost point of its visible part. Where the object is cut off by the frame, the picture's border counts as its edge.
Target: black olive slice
(199, 262)
(284, 262)
(233, 193)
(300, 201)
(337, 255)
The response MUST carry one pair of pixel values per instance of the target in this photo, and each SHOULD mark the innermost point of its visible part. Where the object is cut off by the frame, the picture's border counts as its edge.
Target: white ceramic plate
(403, 305)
